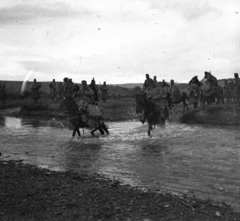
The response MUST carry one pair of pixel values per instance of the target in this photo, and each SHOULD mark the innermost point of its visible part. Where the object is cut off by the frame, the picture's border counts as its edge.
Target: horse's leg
(74, 131)
(149, 129)
(184, 104)
(92, 131)
(78, 131)
(101, 129)
(104, 128)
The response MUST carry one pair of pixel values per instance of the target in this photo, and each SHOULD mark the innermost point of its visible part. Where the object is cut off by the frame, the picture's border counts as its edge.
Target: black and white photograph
(120, 110)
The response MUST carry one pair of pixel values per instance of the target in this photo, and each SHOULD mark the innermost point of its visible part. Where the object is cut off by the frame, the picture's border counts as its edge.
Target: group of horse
(206, 94)
(148, 106)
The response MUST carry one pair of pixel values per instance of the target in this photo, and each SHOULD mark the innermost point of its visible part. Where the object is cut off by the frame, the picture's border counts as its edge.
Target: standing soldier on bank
(35, 91)
(60, 92)
(194, 94)
(68, 87)
(104, 91)
(53, 89)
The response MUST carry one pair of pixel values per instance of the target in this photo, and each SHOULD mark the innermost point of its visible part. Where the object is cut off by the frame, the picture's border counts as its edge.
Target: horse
(195, 91)
(182, 99)
(208, 93)
(77, 122)
(151, 111)
(211, 93)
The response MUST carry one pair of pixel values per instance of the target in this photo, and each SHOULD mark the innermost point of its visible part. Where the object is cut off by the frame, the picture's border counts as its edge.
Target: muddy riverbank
(30, 193)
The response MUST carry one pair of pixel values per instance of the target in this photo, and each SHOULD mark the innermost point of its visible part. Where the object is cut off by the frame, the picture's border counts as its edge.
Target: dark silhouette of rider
(211, 79)
(94, 87)
(147, 82)
(237, 85)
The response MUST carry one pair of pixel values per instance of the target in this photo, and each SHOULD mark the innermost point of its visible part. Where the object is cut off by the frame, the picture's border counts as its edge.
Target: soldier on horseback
(88, 110)
(210, 90)
(84, 97)
(157, 95)
(194, 93)
(94, 87)
(237, 85)
(147, 82)
(211, 79)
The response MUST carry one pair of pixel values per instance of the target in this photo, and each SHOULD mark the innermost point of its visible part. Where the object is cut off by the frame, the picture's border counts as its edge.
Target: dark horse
(151, 111)
(183, 98)
(208, 94)
(76, 121)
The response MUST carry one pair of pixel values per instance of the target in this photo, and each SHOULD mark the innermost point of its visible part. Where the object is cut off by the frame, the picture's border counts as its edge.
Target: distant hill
(130, 85)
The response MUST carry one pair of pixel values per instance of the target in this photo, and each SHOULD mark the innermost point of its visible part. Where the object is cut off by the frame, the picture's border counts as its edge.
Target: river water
(198, 160)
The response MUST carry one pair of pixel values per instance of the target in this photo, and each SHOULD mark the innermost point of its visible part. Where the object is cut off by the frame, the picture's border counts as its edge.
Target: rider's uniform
(213, 80)
(147, 84)
(159, 97)
(85, 98)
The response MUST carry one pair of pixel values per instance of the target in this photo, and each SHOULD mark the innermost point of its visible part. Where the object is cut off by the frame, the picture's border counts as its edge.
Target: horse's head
(195, 80)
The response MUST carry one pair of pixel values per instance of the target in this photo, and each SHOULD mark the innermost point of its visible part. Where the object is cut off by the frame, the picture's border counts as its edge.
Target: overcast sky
(118, 41)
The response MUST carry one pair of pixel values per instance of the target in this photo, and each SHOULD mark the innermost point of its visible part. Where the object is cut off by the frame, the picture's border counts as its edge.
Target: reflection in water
(11, 122)
(180, 158)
